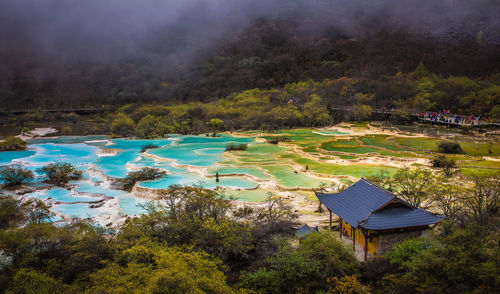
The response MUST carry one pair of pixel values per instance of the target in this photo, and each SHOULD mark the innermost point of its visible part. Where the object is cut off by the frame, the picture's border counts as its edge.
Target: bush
(13, 144)
(312, 265)
(276, 140)
(12, 212)
(361, 112)
(148, 146)
(60, 173)
(450, 148)
(447, 164)
(13, 176)
(32, 281)
(144, 174)
(66, 130)
(122, 125)
(25, 130)
(153, 127)
(236, 147)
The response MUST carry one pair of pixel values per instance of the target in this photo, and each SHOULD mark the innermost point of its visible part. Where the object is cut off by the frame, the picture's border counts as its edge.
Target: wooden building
(374, 217)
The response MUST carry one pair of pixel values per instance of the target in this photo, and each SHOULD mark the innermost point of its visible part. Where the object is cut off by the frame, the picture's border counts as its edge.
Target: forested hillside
(343, 48)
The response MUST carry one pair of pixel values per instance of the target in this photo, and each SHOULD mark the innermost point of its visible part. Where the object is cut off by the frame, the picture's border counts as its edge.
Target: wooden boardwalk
(478, 124)
(77, 110)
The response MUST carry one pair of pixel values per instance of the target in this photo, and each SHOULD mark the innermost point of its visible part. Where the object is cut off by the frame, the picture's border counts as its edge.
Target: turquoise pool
(62, 195)
(188, 160)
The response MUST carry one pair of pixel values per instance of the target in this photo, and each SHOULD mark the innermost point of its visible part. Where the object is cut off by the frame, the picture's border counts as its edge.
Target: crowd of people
(446, 116)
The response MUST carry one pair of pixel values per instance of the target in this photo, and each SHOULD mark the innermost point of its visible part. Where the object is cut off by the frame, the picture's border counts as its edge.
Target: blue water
(62, 195)
(80, 210)
(198, 151)
(88, 187)
(191, 179)
(68, 139)
(115, 166)
(131, 205)
(8, 158)
(77, 154)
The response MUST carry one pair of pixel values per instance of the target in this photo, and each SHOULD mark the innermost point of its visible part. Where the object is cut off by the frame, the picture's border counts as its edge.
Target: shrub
(276, 140)
(144, 174)
(12, 212)
(13, 176)
(361, 112)
(25, 130)
(404, 252)
(13, 144)
(148, 146)
(346, 284)
(153, 127)
(447, 164)
(215, 125)
(450, 148)
(235, 147)
(66, 130)
(32, 281)
(312, 265)
(60, 173)
(122, 125)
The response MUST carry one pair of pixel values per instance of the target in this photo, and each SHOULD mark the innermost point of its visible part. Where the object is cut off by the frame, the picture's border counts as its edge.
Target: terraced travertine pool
(310, 159)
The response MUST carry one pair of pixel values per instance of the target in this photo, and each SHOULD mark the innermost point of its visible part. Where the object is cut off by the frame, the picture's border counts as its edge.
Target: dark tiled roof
(355, 203)
(399, 217)
(366, 205)
(304, 231)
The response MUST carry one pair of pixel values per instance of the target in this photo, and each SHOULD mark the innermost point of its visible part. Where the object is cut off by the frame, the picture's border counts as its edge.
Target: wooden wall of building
(360, 238)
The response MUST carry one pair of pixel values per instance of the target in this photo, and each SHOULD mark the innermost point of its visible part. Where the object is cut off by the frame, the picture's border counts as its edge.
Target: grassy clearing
(380, 141)
(354, 170)
(353, 146)
(480, 163)
(481, 149)
(430, 144)
(264, 148)
(310, 196)
(479, 172)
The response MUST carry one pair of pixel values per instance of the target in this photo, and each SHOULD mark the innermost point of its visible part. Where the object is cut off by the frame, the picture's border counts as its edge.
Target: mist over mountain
(123, 50)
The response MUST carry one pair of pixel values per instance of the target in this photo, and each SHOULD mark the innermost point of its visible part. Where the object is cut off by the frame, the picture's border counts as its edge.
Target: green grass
(340, 145)
(354, 170)
(480, 149)
(309, 195)
(248, 195)
(480, 163)
(353, 146)
(479, 172)
(380, 141)
(360, 125)
(256, 158)
(264, 148)
(430, 144)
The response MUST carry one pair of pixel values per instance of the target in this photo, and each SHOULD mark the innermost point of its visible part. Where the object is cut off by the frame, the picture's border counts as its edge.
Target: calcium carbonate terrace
(311, 159)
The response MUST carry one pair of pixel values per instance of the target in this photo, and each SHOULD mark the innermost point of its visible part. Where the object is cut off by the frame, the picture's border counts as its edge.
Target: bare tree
(446, 197)
(484, 199)
(277, 212)
(413, 185)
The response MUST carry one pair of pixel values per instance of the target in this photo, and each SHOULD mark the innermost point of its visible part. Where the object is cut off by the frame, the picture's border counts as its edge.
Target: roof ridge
(378, 187)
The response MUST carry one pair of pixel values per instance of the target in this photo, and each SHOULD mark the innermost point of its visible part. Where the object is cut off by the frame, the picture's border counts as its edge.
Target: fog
(49, 31)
